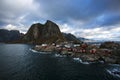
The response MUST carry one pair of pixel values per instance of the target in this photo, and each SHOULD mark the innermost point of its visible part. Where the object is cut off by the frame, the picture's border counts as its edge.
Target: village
(84, 51)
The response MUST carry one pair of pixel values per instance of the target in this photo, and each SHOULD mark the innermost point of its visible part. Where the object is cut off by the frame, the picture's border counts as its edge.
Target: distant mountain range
(71, 37)
(39, 33)
(86, 40)
(9, 35)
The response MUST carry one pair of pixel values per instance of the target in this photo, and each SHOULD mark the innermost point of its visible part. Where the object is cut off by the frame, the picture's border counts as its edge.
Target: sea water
(19, 62)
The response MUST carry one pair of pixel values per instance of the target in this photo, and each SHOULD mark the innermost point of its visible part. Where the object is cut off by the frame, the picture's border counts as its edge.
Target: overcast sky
(93, 19)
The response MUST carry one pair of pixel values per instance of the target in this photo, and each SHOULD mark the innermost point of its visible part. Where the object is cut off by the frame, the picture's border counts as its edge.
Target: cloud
(21, 28)
(103, 33)
(10, 27)
(86, 18)
(98, 33)
(13, 10)
(78, 9)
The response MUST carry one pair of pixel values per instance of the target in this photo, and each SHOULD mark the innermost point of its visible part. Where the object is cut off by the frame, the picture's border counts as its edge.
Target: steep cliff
(43, 33)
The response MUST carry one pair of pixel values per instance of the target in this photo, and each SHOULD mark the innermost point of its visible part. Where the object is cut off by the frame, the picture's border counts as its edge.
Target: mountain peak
(50, 23)
(44, 33)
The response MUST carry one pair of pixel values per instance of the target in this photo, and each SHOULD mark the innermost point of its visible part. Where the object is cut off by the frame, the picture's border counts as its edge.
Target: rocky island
(87, 53)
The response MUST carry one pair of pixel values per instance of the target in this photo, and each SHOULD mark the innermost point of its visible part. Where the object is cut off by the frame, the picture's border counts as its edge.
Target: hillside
(43, 33)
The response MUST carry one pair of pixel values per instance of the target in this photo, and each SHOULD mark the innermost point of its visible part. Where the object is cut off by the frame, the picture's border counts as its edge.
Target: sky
(91, 19)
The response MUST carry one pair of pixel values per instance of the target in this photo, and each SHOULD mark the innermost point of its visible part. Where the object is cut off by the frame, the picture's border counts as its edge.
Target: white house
(43, 45)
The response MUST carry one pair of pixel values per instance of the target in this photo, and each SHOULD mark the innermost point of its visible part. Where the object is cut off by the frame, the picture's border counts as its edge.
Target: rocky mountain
(71, 37)
(43, 33)
(9, 36)
(38, 34)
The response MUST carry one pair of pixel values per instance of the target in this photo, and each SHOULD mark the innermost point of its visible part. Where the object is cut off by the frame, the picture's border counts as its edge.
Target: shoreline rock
(101, 55)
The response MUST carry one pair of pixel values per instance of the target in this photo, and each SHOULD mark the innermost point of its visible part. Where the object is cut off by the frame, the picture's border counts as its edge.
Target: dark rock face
(43, 33)
(8, 36)
(71, 37)
(110, 45)
(115, 47)
(33, 33)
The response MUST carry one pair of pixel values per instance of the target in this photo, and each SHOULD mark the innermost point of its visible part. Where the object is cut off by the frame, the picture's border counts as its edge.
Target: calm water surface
(18, 62)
